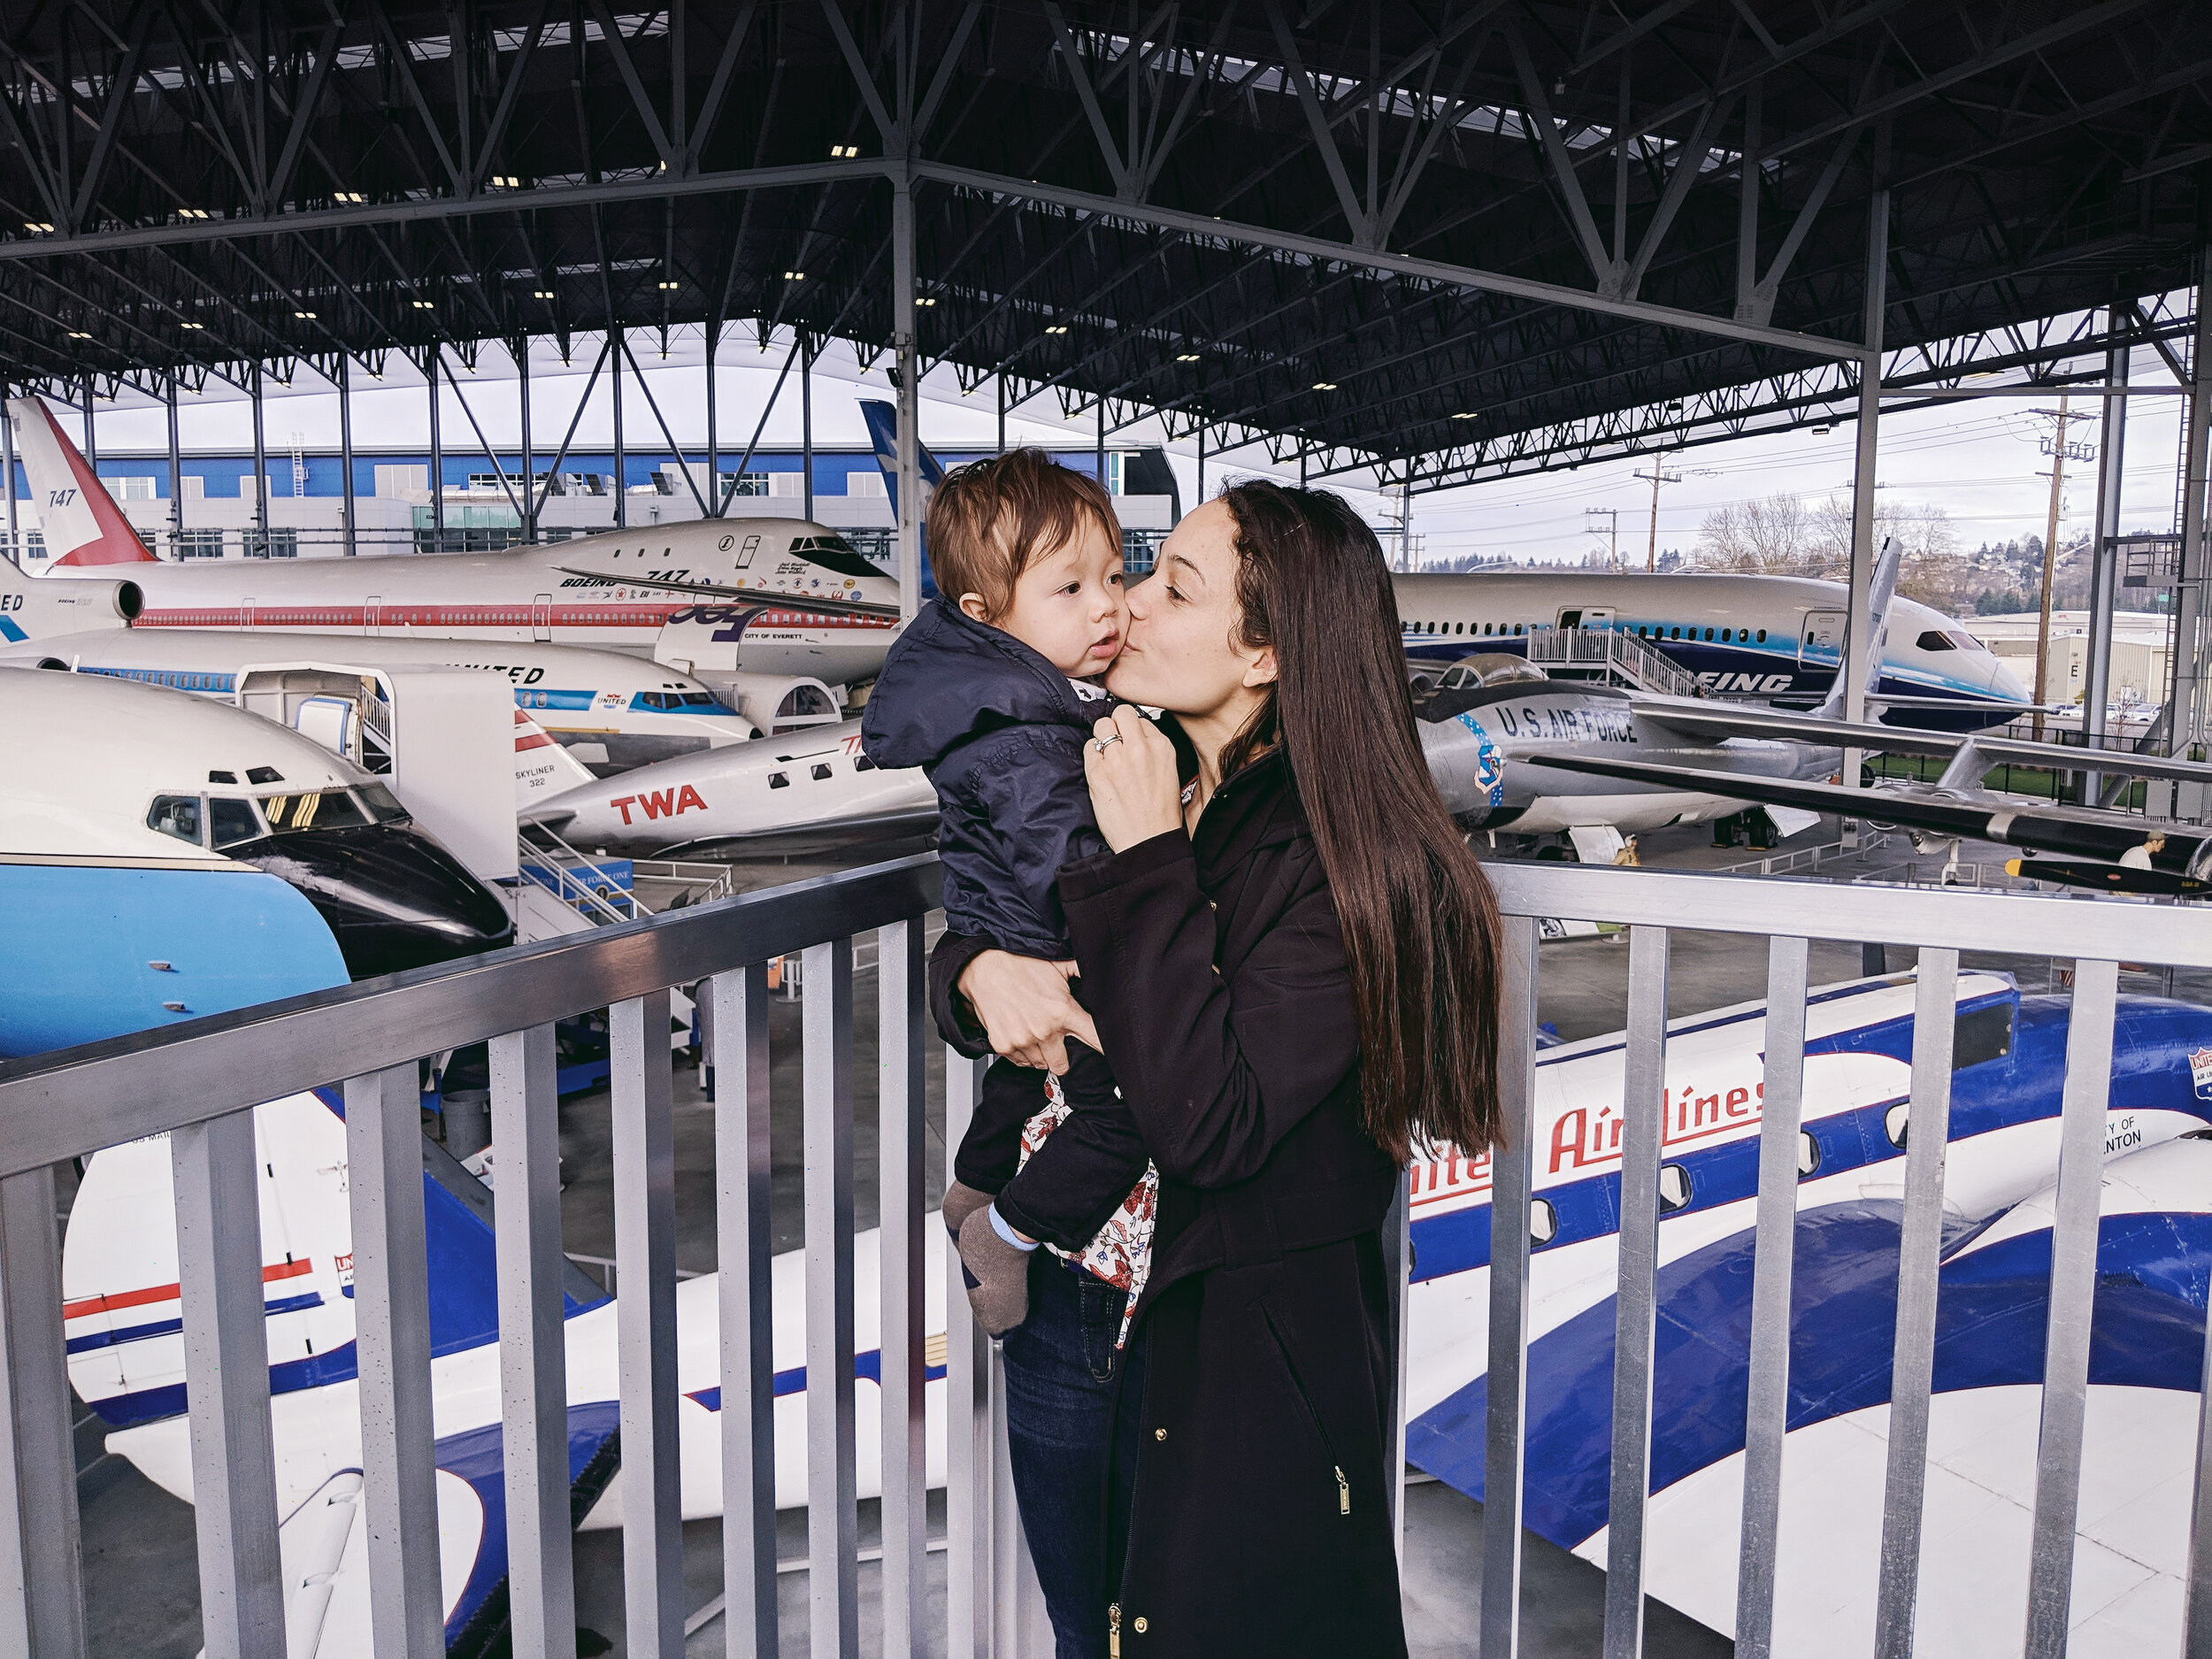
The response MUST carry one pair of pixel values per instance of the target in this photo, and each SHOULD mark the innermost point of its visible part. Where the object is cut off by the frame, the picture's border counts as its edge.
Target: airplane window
(864, 764)
(177, 815)
(1896, 1122)
(1459, 628)
(1678, 634)
(317, 809)
(698, 699)
(821, 773)
(1675, 1190)
(1763, 636)
(1708, 633)
(264, 775)
(1723, 636)
(1517, 627)
(232, 821)
(1935, 640)
(777, 780)
(383, 805)
(1488, 627)
(1808, 1153)
(1543, 1222)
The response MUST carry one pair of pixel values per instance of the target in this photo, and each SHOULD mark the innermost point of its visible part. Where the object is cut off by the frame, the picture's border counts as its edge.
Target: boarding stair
(1608, 656)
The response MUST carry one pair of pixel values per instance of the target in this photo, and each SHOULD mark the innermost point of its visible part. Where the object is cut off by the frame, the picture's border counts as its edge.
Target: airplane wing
(767, 599)
(2026, 823)
(1712, 721)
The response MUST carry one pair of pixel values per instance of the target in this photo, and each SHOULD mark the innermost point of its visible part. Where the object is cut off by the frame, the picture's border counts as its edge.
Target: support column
(529, 458)
(176, 482)
(91, 432)
(1857, 639)
(713, 492)
(621, 455)
(1202, 464)
(806, 424)
(1098, 455)
(2097, 681)
(345, 454)
(7, 456)
(998, 385)
(260, 472)
(2184, 713)
(433, 364)
(910, 509)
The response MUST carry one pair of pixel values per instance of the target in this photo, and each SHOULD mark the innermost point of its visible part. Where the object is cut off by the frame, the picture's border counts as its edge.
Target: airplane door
(245, 612)
(745, 553)
(542, 617)
(1598, 617)
(1570, 619)
(371, 610)
(1821, 645)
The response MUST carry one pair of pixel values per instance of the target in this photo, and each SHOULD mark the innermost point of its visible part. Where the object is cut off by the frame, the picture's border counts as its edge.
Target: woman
(1290, 965)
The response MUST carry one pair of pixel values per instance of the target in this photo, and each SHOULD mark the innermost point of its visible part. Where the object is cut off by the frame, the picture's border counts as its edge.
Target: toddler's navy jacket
(1000, 732)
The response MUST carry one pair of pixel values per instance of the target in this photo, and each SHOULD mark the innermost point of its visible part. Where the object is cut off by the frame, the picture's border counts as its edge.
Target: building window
(200, 544)
(130, 488)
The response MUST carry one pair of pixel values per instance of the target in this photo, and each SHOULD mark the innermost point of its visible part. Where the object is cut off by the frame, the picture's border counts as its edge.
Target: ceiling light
(507, 181)
(794, 276)
(1466, 414)
(191, 325)
(425, 305)
(1057, 328)
(345, 195)
(305, 316)
(926, 302)
(36, 225)
(667, 287)
(193, 213)
(844, 152)
(542, 294)
(1324, 386)
(1188, 357)
(79, 334)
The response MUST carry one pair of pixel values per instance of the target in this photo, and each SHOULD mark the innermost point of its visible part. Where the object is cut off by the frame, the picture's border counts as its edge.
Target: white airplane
(32, 610)
(814, 606)
(135, 830)
(1766, 636)
(611, 708)
(814, 785)
(118, 1275)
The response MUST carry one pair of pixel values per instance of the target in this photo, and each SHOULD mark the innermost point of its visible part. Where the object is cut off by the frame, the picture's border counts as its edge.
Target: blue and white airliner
(164, 856)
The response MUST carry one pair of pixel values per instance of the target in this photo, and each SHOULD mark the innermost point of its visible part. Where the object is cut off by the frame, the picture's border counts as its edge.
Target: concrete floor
(140, 1569)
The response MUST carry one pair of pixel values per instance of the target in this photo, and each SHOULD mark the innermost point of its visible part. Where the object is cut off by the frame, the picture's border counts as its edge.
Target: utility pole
(2060, 450)
(1612, 531)
(1658, 475)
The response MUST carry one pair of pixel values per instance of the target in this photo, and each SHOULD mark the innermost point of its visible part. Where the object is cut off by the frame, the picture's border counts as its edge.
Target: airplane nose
(394, 897)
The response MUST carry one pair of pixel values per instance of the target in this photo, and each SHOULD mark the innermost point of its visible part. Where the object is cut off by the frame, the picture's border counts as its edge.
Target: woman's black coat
(1216, 971)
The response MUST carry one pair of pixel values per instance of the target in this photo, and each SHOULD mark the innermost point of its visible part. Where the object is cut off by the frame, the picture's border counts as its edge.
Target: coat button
(1159, 1435)
(1141, 1626)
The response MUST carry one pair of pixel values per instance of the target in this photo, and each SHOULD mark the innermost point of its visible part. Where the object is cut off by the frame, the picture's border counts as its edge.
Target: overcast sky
(1977, 460)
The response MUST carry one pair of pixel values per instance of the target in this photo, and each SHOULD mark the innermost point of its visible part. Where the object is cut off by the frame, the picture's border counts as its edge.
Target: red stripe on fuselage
(276, 617)
(166, 1292)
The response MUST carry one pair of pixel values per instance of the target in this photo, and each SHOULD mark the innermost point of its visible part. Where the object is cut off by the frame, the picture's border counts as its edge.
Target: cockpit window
(832, 553)
(177, 815)
(264, 775)
(383, 805)
(318, 809)
(232, 821)
(698, 699)
(1936, 640)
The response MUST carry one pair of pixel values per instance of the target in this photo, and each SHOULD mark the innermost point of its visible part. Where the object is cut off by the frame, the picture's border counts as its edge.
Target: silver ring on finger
(1103, 743)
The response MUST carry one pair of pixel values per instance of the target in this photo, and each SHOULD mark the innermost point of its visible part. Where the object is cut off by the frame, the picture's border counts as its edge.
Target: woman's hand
(1135, 794)
(1026, 1006)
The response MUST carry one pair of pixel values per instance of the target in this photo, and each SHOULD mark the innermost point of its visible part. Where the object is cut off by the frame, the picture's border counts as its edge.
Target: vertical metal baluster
(1020, 1626)
(1397, 1240)
(1510, 1167)
(902, 1145)
(1644, 1108)
(1766, 1405)
(967, 1430)
(747, 1319)
(42, 1600)
(2074, 1229)
(391, 1324)
(645, 1326)
(532, 1341)
(2197, 1589)
(833, 1517)
(1919, 1256)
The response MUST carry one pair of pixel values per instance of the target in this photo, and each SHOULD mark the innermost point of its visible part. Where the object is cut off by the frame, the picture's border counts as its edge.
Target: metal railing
(198, 1082)
(1611, 652)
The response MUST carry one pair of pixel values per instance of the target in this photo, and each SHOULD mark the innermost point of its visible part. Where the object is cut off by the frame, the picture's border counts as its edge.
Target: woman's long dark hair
(1420, 923)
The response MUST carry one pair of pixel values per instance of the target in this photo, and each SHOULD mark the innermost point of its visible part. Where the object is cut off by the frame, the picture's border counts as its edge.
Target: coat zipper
(1113, 1631)
(1298, 1383)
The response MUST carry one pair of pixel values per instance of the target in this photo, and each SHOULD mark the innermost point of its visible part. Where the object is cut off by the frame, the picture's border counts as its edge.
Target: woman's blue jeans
(1066, 1441)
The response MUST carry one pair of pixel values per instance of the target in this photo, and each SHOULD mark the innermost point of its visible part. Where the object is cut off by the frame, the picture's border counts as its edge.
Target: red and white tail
(79, 518)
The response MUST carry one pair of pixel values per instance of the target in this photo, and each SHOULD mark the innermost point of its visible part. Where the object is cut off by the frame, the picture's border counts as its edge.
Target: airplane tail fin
(80, 522)
(883, 434)
(1883, 590)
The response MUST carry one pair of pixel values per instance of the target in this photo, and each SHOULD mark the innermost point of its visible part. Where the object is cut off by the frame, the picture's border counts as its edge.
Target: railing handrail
(72, 1101)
